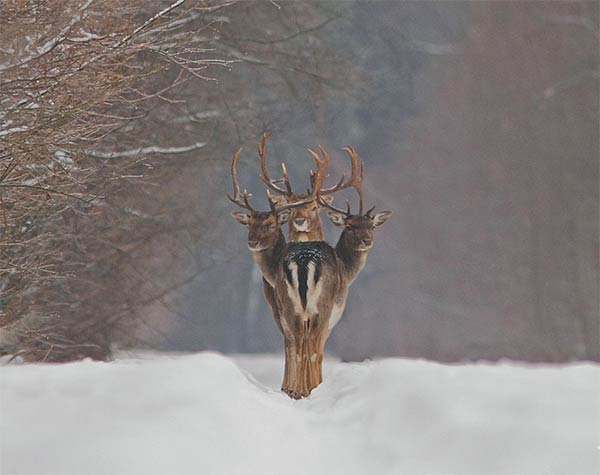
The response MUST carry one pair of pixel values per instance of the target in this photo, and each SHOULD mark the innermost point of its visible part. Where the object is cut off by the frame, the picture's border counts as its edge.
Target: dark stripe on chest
(302, 254)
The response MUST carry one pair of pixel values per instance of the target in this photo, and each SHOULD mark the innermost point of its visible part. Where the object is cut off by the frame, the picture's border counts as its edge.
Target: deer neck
(316, 234)
(353, 261)
(302, 236)
(268, 259)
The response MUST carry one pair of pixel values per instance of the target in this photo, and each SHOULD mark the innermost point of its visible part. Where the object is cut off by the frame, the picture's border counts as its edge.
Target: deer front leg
(304, 357)
(307, 367)
(291, 370)
(298, 386)
(307, 360)
(319, 332)
(321, 339)
(293, 379)
(297, 359)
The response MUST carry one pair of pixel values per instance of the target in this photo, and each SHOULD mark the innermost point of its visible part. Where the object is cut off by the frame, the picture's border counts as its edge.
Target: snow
(13, 130)
(146, 150)
(209, 414)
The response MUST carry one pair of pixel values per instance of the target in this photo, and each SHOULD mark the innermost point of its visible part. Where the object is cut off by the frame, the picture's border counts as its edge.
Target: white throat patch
(303, 228)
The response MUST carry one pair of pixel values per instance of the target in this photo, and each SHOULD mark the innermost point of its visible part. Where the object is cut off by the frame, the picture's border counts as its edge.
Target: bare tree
(72, 74)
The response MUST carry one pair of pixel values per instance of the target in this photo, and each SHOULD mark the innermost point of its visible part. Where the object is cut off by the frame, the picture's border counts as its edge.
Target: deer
(310, 279)
(316, 279)
(265, 237)
(304, 223)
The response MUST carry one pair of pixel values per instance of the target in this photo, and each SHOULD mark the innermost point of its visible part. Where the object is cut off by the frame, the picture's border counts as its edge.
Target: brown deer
(316, 278)
(309, 280)
(304, 223)
(265, 238)
(268, 246)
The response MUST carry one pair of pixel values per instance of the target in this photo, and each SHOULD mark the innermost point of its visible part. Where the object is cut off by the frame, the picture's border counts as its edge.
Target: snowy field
(208, 414)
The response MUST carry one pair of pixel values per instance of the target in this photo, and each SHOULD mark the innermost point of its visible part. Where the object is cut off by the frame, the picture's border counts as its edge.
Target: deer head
(305, 223)
(358, 230)
(264, 227)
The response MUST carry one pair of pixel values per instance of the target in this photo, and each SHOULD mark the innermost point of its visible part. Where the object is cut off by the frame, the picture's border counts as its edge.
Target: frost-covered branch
(75, 76)
(147, 150)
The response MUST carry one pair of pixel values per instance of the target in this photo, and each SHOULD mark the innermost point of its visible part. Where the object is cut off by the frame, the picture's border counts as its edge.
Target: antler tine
(236, 189)
(274, 209)
(318, 176)
(316, 179)
(281, 208)
(359, 190)
(322, 202)
(355, 181)
(340, 185)
(265, 172)
(286, 179)
(358, 175)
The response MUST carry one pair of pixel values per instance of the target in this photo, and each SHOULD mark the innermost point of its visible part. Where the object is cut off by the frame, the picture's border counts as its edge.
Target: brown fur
(268, 246)
(305, 318)
(309, 213)
(305, 337)
(311, 371)
(306, 333)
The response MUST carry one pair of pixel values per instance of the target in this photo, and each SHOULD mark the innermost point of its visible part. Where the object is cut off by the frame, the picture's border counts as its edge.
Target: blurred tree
(495, 250)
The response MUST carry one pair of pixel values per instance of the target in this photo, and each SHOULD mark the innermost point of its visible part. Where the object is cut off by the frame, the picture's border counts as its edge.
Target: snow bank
(209, 414)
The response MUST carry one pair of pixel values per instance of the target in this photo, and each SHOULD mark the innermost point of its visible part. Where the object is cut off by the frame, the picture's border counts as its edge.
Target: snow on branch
(151, 20)
(146, 150)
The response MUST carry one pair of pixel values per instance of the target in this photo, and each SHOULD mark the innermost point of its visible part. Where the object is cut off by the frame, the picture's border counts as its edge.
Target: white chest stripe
(292, 288)
(314, 290)
(313, 294)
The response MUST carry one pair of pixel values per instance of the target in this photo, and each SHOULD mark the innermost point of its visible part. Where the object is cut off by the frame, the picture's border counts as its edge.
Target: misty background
(478, 124)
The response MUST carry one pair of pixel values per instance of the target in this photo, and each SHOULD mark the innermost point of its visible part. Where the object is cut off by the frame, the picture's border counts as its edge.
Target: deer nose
(252, 244)
(367, 241)
(299, 221)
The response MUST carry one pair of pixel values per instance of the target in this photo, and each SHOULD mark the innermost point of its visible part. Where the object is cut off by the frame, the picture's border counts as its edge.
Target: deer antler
(272, 184)
(355, 175)
(245, 196)
(316, 179)
(241, 199)
(355, 181)
(324, 203)
(358, 174)
(277, 209)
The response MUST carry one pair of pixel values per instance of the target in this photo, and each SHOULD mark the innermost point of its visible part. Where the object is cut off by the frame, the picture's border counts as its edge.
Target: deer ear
(284, 216)
(381, 217)
(336, 218)
(276, 199)
(240, 217)
(327, 199)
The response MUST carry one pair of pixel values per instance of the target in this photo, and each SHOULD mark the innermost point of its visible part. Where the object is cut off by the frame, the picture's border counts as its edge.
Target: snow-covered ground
(210, 414)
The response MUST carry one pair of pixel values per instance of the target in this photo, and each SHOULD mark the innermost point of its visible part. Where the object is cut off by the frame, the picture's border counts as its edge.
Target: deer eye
(314, 208)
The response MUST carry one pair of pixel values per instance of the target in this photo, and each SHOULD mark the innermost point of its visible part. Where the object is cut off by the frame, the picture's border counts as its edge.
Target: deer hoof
(291, 393)
(295, 394)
